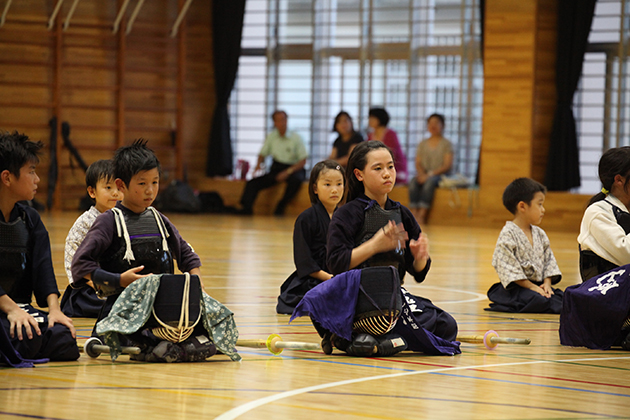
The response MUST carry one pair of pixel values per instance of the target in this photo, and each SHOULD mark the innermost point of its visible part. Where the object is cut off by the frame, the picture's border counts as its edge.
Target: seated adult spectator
(434, 158)
(378, 120)
(289, 157)
(348, 138)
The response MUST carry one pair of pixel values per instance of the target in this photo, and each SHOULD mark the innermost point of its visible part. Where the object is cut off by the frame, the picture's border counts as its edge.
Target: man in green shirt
(289, 157)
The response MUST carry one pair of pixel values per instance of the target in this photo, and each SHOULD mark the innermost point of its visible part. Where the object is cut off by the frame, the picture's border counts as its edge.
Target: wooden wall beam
(120, 75)
(57, 108)
(181, 81)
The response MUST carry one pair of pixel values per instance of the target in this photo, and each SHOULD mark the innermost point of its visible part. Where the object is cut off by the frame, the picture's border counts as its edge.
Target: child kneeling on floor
(522, 257)
(131, 241)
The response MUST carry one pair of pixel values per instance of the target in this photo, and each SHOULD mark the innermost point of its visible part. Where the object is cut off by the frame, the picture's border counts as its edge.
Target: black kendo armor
(592, 264)
(375, 219)
(379, 301)
(146, 234)
(14, 257)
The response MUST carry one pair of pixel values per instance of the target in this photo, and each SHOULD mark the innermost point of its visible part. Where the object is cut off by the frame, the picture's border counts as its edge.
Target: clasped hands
(394, 236)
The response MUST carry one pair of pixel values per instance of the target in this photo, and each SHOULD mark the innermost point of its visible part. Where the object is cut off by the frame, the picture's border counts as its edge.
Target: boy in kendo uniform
(26, 265)
(133, 240)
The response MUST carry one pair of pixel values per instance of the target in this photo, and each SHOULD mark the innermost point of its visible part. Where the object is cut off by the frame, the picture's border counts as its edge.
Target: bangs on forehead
(107, 178)
(371, 156)
(329, 172)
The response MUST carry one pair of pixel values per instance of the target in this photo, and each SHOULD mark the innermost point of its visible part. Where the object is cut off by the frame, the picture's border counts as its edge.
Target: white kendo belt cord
(183, 330)
(121, 228)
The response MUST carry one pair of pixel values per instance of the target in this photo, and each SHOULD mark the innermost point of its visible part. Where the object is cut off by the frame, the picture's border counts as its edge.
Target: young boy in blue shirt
(25, 261)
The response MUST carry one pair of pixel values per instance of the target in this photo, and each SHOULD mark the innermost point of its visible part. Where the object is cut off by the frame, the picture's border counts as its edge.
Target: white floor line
(477, 296)
(242, 409)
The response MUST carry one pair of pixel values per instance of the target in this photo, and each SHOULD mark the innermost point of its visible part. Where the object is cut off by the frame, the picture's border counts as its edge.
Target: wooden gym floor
(244, 262)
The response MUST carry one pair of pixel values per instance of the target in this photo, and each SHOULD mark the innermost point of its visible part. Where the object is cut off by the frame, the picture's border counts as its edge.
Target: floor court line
(244, 408)
(29, 416)
(564, 388)
(553, 378)
(452, 400)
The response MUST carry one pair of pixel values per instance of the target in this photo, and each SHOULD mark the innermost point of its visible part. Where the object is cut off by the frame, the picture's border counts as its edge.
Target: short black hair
(438, 116)
(101, 169)
(131, 160)
(521, 189)
(380, 114)
(16, 150)
(276, 112)
(325, 165)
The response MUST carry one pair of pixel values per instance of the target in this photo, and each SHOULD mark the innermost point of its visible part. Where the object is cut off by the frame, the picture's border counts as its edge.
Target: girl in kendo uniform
(326, 190)
(373, 230)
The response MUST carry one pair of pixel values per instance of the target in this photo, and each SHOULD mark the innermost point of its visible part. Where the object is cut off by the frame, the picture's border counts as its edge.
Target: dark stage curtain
(574, 25)
(482, 42)
(227, 27)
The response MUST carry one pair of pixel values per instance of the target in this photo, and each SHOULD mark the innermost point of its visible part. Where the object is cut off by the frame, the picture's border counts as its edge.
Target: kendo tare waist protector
(379, 303)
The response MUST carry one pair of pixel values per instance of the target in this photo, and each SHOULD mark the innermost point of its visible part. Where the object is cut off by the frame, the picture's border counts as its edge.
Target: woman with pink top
(378, 120)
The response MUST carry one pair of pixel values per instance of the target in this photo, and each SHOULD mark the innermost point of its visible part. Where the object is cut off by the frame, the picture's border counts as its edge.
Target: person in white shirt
(289, 157)
(595, 313)
(603, 239)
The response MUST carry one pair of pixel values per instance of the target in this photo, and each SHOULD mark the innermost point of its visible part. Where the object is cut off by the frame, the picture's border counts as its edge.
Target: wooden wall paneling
(25, 79)
(544, 85)
(89, 87)
(16, 75)
(151, 119)
(98, 98)
(150, 72)
(199, 92)
(89, 98)
(56, 89)
(181, 80)
(120, 79)
(110, 88)
(93, 78)
(92, 138)
(138, 81)
(24, 117)
(26, 75)
(508, 102)
(508, 91)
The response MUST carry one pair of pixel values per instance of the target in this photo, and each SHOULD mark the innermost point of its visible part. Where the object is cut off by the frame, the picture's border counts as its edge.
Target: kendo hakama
(595, 311)
(332, 307)
(26, 270)
(81, 302)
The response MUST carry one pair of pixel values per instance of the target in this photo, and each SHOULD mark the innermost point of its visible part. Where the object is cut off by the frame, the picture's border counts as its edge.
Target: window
(316, 58)
(602, 101)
